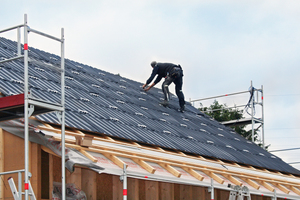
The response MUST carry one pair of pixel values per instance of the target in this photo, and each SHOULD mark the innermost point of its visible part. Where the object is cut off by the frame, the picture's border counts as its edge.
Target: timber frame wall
(46, 169)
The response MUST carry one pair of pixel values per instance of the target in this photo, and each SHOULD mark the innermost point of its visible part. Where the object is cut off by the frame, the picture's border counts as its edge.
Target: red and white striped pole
(124, 182)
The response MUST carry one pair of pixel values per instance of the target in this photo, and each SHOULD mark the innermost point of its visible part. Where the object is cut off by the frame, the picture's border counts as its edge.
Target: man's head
(153, 63)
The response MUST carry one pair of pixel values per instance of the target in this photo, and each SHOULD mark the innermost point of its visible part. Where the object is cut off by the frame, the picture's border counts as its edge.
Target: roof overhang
(106, 155)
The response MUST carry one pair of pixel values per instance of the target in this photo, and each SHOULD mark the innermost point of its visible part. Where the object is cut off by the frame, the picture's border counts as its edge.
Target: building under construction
(114, 140)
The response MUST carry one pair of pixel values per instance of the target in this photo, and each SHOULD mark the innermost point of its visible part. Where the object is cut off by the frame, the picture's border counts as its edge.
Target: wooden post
(151, 190)
(166, 191)
(133, 188)
(117, 188)
(51, 177)
(35, 163)
(74, 177)
(89, 183)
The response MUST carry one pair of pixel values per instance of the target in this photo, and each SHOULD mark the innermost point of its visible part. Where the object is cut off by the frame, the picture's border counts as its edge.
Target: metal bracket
(59, 116)
(30, 110)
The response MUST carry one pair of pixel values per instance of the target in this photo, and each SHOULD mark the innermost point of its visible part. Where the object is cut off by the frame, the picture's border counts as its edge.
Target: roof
(103, 103)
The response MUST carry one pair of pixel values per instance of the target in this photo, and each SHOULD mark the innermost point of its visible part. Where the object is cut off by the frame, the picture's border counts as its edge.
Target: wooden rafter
(89, 156)
(294, 189)
(251, 183)
(170, 169)
(152, 158)
(233, 180)
(46, 149)
(214, 176)
(266, 185)
(112, 154)
(115, 160)
(56, 130)
(144, 165)
(282, 188)
(193, 173)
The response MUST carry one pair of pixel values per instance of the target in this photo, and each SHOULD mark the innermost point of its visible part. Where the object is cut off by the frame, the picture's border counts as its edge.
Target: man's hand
(146, 89)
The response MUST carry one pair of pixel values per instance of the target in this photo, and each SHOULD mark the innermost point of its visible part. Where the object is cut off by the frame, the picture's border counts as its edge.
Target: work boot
(181, 109)
(164, 103)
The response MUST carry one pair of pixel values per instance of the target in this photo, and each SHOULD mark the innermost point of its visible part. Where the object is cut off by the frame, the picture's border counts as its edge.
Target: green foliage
(221, 113)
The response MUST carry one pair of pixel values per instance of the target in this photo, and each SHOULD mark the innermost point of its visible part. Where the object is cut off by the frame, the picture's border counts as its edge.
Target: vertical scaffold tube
(124, 182)
(26, 117)
(63, 156)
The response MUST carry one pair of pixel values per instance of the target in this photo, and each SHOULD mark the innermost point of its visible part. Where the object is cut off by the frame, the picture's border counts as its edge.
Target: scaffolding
(251, 104)
(32, 105)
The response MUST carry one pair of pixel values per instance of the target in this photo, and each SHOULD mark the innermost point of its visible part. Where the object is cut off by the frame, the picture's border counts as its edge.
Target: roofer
(171, 73)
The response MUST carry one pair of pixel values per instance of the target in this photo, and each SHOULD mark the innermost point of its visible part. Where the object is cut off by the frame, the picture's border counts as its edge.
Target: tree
(222, 113)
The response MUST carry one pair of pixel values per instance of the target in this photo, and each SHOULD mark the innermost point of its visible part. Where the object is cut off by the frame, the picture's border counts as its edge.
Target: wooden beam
(233, 180)
(109, 138)
(144, 165)
(214, 176)
(251, 183)
(136, 144)
(170, 169)
(46, 149)
(294, 189)
(193, 173)
(282, 188)
(266, 185)
(51, 176)
(151, 158)
(89, 156)
(115, 160)
(55, 130)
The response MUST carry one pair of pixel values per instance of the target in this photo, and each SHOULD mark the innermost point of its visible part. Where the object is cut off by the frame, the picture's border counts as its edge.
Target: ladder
(15, 192)
(239, 193)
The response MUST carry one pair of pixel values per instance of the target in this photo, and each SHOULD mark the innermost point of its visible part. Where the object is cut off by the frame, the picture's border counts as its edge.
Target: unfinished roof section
(107, 104)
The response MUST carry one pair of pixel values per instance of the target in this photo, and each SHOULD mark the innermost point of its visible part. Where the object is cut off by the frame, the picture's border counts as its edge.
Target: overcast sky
(221, 45)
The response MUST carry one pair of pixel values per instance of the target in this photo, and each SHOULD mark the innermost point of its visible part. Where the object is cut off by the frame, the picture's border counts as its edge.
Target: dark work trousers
(178, 88)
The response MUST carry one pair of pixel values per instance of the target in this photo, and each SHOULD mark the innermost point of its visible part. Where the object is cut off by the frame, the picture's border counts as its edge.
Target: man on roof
(171, 73)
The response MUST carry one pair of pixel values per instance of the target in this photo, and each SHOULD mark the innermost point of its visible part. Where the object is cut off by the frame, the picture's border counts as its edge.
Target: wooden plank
(282, 188)
(46, 149)
(164, 160)
(35, 160)
(166, 191)
(133, 188)
(186, 191)
(74, 177)
(89, 156)
(89, 183)
(193, 173)
(251, 183)
(214, 176)
(51, 176)
(104, 186)
(170, 169)
(1, 162)
(144, 165)
(233, 180)
(115, 160)
(55, 130)
(266, 185)
(117, 188)
(151, 190)
(294, 189)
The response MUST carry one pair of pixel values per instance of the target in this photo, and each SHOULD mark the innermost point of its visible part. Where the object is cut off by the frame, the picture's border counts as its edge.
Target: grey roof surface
(109, 104)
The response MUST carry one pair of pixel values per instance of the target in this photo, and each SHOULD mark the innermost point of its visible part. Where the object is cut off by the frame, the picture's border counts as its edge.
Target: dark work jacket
(162, 70)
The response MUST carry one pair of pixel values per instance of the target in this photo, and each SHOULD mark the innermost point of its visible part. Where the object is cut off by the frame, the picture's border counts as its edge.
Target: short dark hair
(153, 63)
